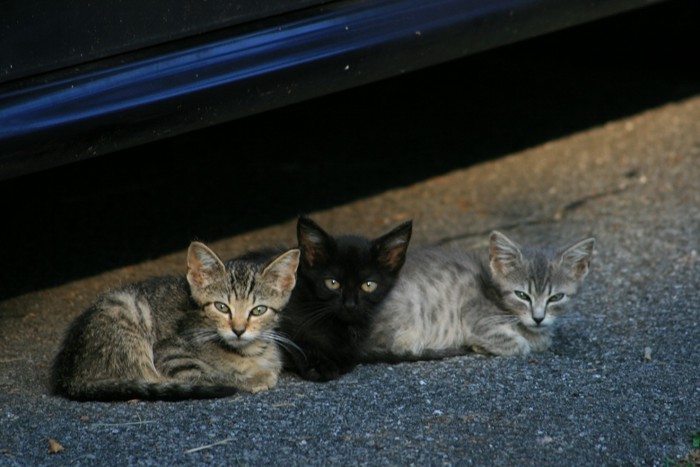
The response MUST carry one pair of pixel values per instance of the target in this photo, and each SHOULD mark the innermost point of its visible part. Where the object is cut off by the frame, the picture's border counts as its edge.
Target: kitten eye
(522, 295)
(258, 310)
(222, 307)
(332, 284)
(555, 298)
(369, 286)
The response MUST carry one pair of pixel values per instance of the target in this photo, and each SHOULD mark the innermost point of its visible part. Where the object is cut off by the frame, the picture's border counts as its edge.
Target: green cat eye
(369, 286)
(332, 284)
(555, 298)
(522, 295)
(222, 307)
(258, 310)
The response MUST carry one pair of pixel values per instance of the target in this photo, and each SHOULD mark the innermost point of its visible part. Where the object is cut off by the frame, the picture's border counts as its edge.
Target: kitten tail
(118, 390)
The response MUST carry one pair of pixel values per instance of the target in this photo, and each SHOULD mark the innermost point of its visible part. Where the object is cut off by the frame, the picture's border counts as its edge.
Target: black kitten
(340, 283)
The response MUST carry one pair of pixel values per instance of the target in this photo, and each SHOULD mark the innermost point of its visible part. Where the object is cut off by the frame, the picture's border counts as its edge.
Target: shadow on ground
(75, 221)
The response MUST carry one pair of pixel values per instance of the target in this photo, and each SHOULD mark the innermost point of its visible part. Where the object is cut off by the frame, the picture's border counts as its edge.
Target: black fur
(328, 325)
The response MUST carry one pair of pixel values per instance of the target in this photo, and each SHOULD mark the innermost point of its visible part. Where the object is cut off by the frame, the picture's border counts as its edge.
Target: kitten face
(350, 275)
(241, 300)
(350, 282)
(535, 286)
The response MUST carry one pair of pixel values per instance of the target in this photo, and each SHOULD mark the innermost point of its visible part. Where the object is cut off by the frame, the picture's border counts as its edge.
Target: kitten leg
(321, 372)
(322, 369)
(502, 340)
(177, 363)
(540, 341)
(312, 365)
(252, 371)
(260, 381)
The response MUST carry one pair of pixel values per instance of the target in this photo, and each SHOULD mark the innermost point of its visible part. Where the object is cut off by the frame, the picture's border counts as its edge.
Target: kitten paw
(260, 382)
(512, 345)
(326, 371)
(260, 388)
(517, 348)
(320, 376)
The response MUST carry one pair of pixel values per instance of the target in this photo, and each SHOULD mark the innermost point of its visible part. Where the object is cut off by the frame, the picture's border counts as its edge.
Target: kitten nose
(538, 319)
(238, 332)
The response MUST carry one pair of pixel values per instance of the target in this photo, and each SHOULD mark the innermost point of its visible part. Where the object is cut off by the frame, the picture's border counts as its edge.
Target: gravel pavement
(620, 385)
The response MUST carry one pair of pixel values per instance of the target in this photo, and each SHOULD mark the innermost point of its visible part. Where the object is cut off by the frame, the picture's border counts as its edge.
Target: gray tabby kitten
(447, 302)
(204, 335)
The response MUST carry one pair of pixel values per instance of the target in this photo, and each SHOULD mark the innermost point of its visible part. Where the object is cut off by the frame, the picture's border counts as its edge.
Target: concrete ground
(504, 140)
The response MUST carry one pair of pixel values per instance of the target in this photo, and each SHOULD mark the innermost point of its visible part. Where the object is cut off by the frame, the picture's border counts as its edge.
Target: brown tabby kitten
(203, 335)
(503, 302)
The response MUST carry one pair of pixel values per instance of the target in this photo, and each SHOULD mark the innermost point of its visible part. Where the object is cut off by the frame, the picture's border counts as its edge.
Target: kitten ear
(504, 254)
(203, 266)
(576, 259)
(281, 273)
(391, 248)
(313, 241)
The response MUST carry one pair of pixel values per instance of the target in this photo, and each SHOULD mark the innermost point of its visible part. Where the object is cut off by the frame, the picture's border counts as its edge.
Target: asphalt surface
(605, 142)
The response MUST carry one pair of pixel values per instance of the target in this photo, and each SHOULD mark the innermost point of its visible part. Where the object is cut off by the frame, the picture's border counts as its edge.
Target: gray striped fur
(503, 302)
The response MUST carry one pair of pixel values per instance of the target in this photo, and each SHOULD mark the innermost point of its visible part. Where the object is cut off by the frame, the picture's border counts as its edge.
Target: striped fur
(504, 302)
(200, 336)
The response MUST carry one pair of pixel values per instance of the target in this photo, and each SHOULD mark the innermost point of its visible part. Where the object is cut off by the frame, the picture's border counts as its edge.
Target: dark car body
(82, 78)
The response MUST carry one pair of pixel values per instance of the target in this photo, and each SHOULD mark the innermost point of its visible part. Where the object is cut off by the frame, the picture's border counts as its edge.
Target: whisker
(201, 336)
(282, 340)
(563, 317)
(312, 317)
